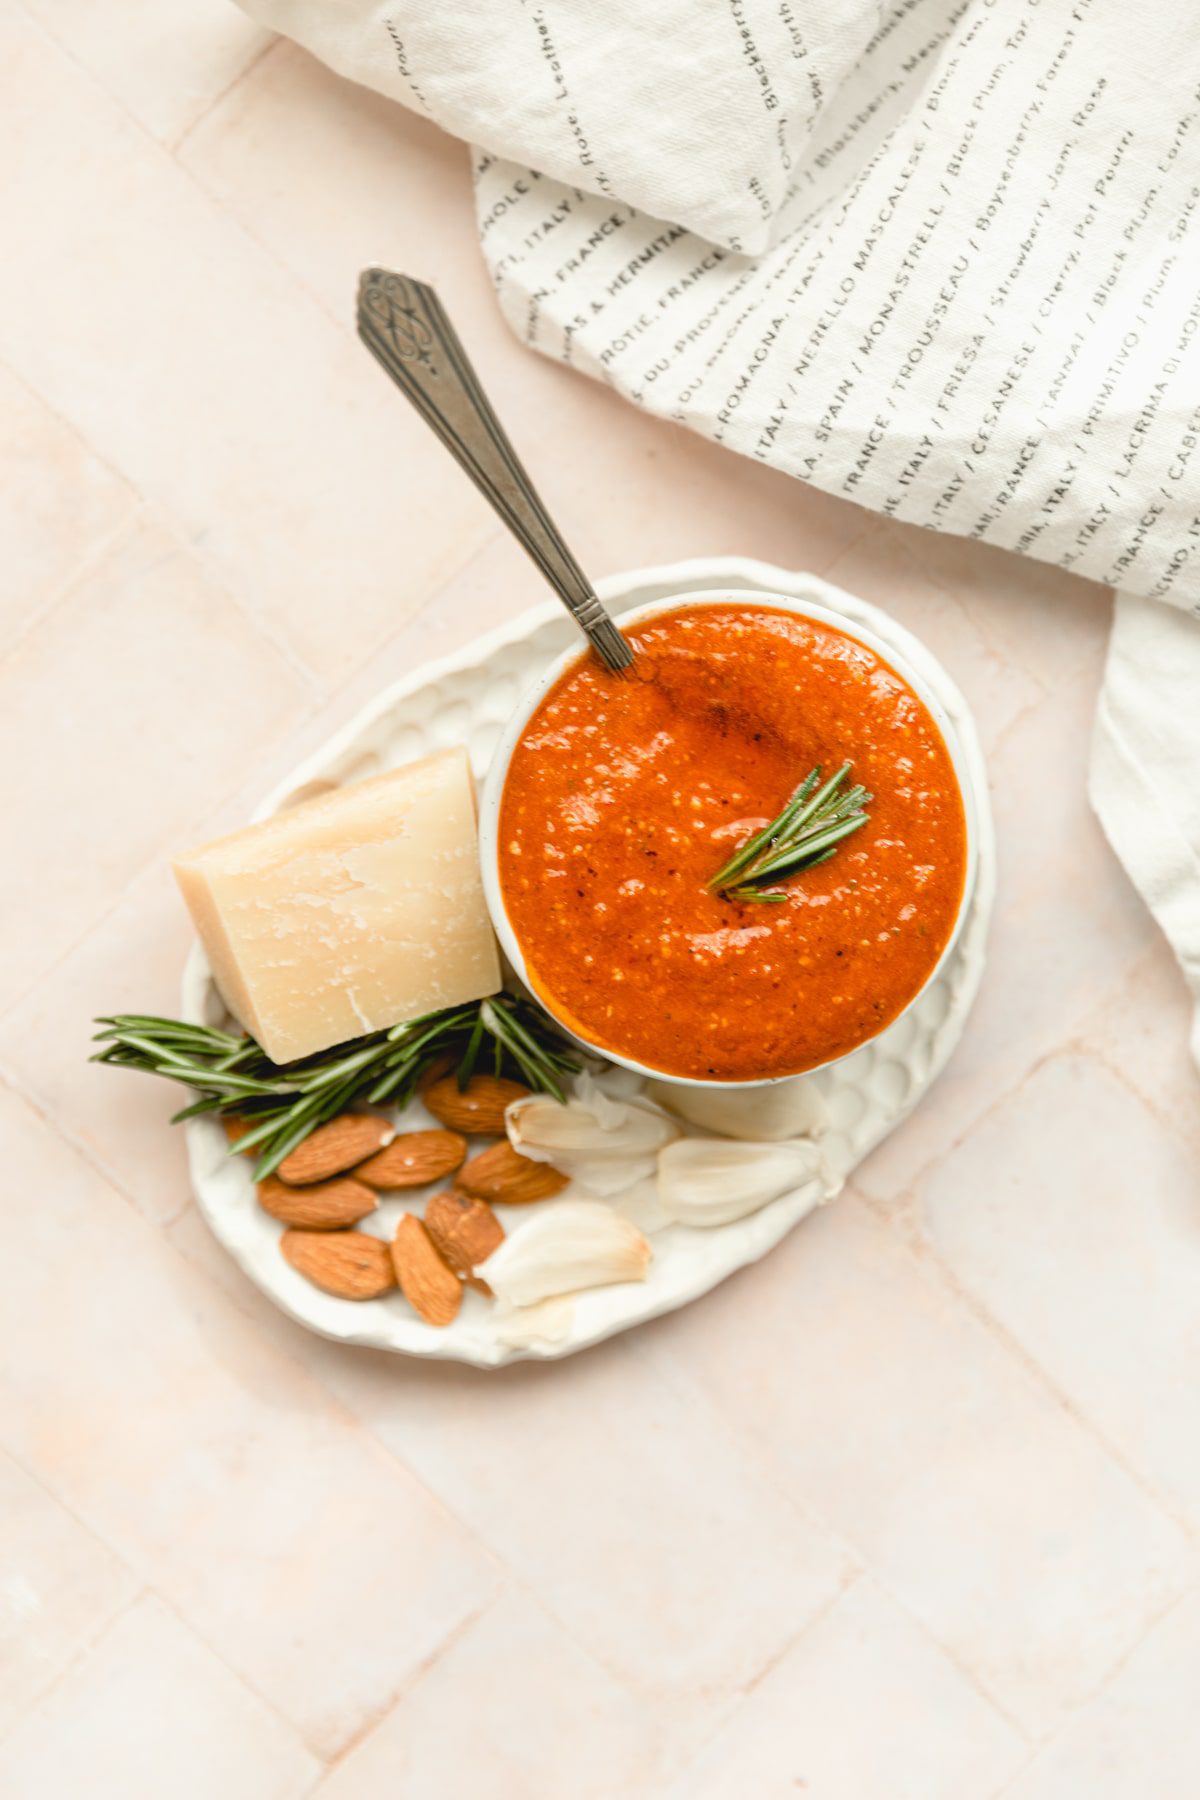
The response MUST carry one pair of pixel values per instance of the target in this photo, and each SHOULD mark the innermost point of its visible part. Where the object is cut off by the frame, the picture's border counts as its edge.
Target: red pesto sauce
(626, 794)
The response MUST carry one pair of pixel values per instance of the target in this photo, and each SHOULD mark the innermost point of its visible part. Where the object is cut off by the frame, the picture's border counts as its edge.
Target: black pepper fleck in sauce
(625, 795)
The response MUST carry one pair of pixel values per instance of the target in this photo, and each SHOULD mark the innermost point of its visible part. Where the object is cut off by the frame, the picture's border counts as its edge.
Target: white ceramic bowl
(489, 806)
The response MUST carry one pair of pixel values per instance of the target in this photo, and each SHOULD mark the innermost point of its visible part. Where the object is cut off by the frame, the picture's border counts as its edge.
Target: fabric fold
(940, 257)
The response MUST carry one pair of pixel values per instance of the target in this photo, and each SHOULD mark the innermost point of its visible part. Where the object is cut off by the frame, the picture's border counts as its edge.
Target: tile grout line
(295, 1731)
(1025, 1733)
(513, 1581)
(805, 1512)
(109, 543)
(140, 1588)
(407, 1688)
(812, 1514)
(1019, 1082)
(163, 518)
(428, 1663)
(147, 512)
(318, 702)
(173, 145)
(927, 1253)
(741, 1696)
(1080, 1706)
(86, 1649)
(332, 1400)
(995, 650)
(359, 1429)
(1165, 1120)
(20, 1090)
(295, 275)
(67, 424)
(165, 146)
(165, 515)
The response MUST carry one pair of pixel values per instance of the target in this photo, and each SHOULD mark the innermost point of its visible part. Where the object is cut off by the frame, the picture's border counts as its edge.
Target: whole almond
(477, 1109)
(236, 1126)
(350, 1264)
(427, 1282)
(465, 1231)
(438, 1065)
(322, 1206)
(332, 1149)
(500, 1173)
(413, 1159)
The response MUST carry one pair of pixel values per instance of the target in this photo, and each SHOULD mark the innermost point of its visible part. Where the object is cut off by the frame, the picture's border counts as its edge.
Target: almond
(465, 1231)
(413, 1159)
(428, 1284)
(439, 1065)
(235, 1126)
(333, 1148)
(350, 1264)
(322, 1206)
(499, 1173)
(478, 1108)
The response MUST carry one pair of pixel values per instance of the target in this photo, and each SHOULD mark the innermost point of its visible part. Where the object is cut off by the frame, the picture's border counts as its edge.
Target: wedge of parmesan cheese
(350, 912)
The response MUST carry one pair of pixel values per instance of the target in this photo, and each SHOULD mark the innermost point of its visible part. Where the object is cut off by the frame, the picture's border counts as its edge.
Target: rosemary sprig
(284, 1104)
(807, 832)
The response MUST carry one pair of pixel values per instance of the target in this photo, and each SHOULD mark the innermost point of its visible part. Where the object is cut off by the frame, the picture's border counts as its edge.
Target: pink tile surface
(149, 1710)
(135, 949)
(1073, 1171)
(1141, 1736)
(864, 1704)
(115, 671)
(1068, 930)
(59, 506)
(226, 1478)
(515, 1710)
(908, 1509)
(59, 1588)
(883, 569)
(210, 382)
(881, 1400)
(166, 65)
(331, 179)
(646, 1483)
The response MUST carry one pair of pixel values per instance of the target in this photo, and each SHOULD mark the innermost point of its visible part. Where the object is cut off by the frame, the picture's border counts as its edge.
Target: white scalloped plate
(466, 699)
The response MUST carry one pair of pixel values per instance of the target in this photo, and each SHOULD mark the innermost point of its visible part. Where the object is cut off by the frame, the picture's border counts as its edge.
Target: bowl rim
(537, 688)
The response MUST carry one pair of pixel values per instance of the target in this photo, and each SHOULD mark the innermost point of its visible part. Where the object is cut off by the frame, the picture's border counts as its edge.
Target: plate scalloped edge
(465, 698)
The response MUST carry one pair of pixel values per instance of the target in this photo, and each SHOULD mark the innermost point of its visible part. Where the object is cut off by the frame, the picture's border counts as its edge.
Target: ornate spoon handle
(403, 324)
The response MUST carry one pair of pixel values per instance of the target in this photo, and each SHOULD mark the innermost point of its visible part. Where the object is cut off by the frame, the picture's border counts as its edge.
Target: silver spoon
(404, 325)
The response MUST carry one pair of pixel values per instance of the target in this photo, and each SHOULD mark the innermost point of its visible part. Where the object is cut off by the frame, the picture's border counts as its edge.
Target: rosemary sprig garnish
(807, 832)
(232, 1074)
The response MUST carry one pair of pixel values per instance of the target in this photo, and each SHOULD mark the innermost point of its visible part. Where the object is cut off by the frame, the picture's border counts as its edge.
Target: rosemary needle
(282, 1105)
(807, 832)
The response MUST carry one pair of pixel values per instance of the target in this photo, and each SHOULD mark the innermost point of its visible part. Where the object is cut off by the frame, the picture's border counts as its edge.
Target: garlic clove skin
(606, 1145)
(711, 1181)
(537, 1327)
(641, 1205)
(786, 1109)
(615, 1082)
(565, 1246)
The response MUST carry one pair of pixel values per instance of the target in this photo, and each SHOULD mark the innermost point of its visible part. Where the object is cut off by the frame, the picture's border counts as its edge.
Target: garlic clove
(604, 1144)
(710, 1181)
(641, 1205)
(616, 1082)
(536, 1327)
(785, 1109)
(566, 1245)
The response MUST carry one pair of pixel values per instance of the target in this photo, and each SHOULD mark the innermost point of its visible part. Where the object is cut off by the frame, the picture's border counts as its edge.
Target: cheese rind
(350, 912)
